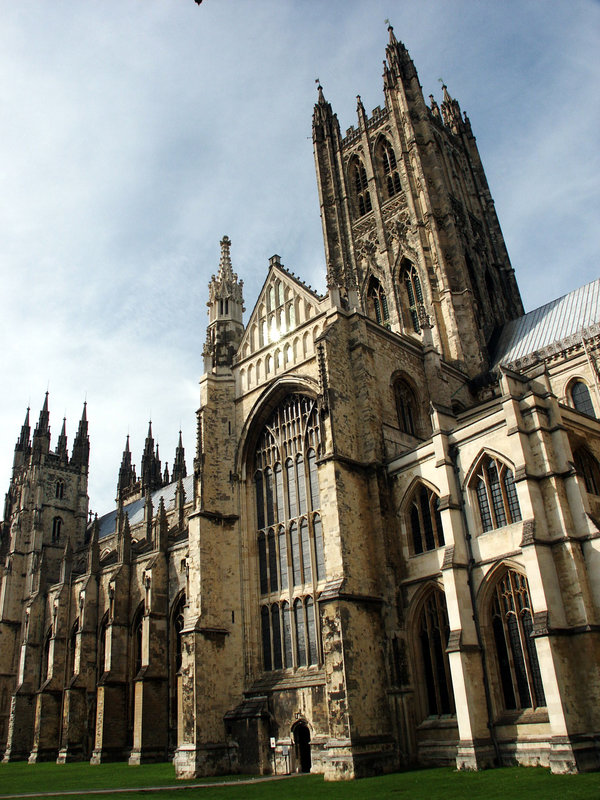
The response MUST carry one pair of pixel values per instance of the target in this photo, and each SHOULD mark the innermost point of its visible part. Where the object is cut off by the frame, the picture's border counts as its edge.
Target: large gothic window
(433, 631)
(387, 159)
(290, 546)
(413, 294)
(377, 305)
(512, 624)
(359, 185)
(425, 521)
(496, 494)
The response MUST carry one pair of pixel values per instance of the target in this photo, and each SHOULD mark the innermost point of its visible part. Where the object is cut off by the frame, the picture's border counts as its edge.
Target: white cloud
(134, 139)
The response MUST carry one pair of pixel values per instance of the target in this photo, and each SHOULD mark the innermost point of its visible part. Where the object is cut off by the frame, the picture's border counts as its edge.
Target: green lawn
(434, 784)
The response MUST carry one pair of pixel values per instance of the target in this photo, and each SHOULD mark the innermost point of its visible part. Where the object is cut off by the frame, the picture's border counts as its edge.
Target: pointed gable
(281, 328)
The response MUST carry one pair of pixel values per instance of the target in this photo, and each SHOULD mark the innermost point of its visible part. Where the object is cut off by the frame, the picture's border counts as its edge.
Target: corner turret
(225, 310)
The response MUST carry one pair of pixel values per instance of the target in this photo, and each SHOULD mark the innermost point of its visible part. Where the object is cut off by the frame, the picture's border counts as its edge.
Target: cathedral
(383, 552)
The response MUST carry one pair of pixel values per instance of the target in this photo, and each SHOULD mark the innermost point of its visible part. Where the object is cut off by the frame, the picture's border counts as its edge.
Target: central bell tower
(410, 229)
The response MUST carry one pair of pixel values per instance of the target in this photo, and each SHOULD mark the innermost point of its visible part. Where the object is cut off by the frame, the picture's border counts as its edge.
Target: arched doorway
(302, 747)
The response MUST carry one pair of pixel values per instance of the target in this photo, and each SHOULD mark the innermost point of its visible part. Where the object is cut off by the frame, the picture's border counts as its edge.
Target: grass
(515, 783)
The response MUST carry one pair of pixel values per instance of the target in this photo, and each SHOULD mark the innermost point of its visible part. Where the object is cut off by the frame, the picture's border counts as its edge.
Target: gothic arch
(359, 187)
(387, 168)
(376, 300)
(493, 492)
(268, 400)
(428, 627)
(421, 517)
(485, 451)
(409, 409)
(506, 616)
(410, 292)
(579, 397)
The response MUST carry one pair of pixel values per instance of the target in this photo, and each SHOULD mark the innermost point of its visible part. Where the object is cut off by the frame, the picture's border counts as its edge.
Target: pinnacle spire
(23, 440)
(179, 468)
(126, 472)
(61, 445)
(42, 427)
(225, 269)
(81, 445)
(151, 472)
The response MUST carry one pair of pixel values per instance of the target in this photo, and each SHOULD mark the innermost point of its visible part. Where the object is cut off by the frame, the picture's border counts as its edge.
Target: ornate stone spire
(61, 445)
(225, 310)
(81, 444)
(179, 468)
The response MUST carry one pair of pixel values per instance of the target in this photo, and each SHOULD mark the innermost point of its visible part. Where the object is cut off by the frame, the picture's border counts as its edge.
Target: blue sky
(136, 134)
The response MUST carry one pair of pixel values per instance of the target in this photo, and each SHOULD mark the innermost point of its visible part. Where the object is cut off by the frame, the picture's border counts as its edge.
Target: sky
(137, 133)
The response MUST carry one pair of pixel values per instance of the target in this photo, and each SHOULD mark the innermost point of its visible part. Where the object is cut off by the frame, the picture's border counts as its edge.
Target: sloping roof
(549, 324)
(135, 509)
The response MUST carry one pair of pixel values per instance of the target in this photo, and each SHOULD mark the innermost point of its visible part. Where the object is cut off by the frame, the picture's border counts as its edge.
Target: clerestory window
(291, 553)
(581, 399)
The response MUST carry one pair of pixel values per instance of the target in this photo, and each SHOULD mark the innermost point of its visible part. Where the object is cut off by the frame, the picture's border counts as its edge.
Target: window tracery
(512, 625)
(433, 632)
(406, 407)
(377, 305)
(359, 184)
(387, 159)
(413, 293)
(289, 534)
(425, 520)
(496, 494)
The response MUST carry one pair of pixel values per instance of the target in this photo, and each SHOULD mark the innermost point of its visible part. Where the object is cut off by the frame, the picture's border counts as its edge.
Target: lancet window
(377, 305)
(512, 626)
(291, 553)
(387, 159)
(359, 184)
(425, 520)
(413, 293)
(433, 632)
(496, 494)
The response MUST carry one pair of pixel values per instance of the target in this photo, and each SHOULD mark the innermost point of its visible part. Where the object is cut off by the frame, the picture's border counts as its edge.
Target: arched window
(56, 526)
(425, 521)
(588, 468)
(433, 631)
(406, 407)
(59, 490)
(290, 547)
(512, 624)
(377, 306)
(413, 293)
(359, 184)
(389, 167)
(496, 494)
(580, 397)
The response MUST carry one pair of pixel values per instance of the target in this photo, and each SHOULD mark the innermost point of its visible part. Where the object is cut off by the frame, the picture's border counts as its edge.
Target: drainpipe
(453, 453)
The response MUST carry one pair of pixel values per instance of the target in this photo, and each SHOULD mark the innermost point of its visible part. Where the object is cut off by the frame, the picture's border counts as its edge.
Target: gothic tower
(409, 224)
(45, 517)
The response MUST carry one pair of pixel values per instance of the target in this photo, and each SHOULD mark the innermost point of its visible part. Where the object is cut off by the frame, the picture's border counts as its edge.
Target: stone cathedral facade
(387, 549)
